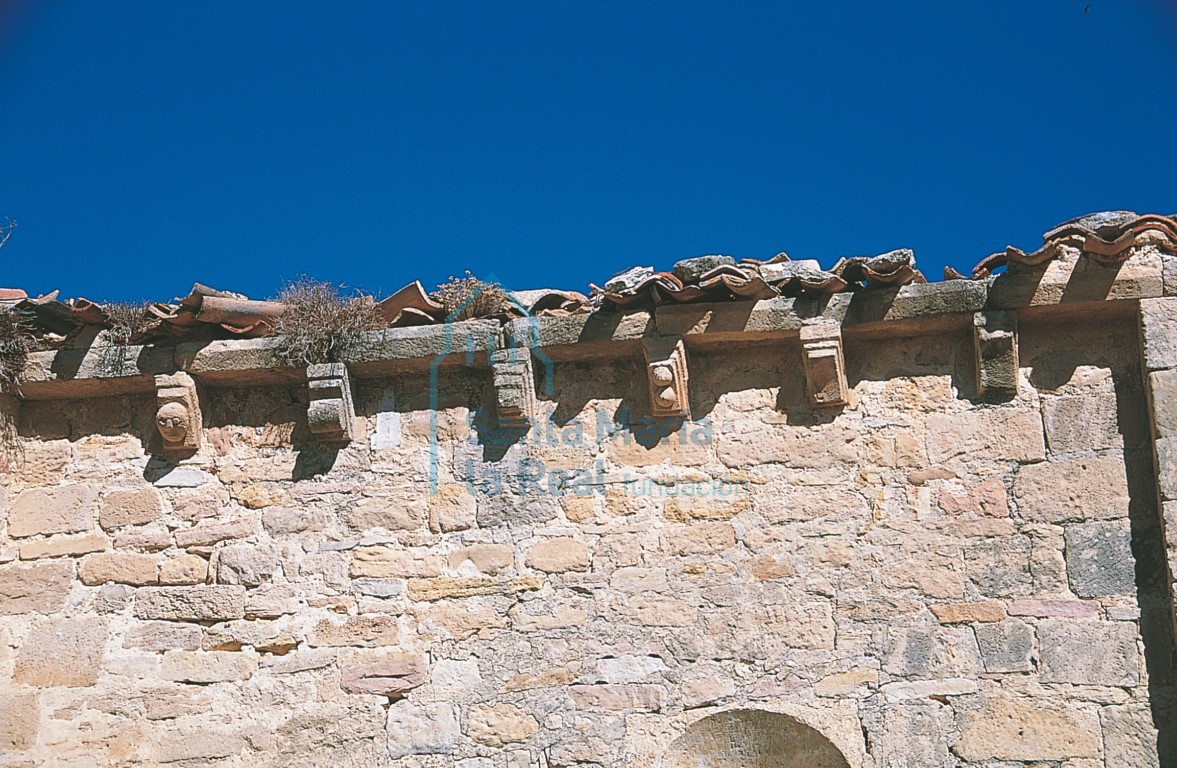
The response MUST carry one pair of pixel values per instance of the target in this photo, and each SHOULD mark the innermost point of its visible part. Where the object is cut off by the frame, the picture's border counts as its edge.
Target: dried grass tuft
(16, 342)
(123, 321)
(467, 298)
(320, 324)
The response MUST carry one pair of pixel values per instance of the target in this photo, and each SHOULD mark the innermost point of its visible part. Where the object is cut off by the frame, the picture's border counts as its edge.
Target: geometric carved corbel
(995, 343)
(177, 415)
(824, 364)
(514, 383)
(666, 371)
(330, 413)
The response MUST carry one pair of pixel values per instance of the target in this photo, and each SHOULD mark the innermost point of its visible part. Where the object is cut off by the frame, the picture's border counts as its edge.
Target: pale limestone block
(1024, 729)
(1089, 652)
(133, 507)
(357, 631)
(64, 509)
(1087, 488)
(20, 721)
(483, 558)
(208, 666)
(161, 636)
(120, 568)
(499, 724)
(248, 564)
(197, 603)
(183, 569)
(1006, 646)
(59, 546)
(40, 588)
(61, 652)
(1008, 432)
(559, 554)
(421, 729)
(1129, 737)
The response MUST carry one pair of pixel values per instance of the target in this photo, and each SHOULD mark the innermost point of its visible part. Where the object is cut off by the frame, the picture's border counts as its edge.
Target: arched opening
(750, 738)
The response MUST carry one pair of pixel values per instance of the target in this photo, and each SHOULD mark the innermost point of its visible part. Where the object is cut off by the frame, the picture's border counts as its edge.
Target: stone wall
(923, 577)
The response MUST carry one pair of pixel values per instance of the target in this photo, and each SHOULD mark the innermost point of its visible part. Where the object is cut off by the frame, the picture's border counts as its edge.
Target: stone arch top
(751, 738)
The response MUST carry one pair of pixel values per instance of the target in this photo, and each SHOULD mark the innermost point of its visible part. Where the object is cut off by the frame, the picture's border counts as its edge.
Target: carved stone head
(172, 421)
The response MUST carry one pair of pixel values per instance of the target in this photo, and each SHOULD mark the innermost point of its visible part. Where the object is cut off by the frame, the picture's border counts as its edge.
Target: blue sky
(149, 145)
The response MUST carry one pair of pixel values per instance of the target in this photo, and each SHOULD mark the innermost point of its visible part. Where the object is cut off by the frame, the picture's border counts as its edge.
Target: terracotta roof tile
(1108, 238)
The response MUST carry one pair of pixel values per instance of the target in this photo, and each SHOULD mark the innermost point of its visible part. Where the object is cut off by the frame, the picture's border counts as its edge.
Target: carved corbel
(330, 414)
(825, 365)
(995, 341)
(666, 370)
(514, 382)
(177, 415)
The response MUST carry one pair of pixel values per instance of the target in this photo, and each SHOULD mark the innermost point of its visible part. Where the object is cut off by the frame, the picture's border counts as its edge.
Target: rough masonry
(929, 525)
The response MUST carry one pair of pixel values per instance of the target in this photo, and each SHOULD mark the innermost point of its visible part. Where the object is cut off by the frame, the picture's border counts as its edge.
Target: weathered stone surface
(40, 588)
(559, 554)
(20, 721)
(619, 698)
(882, 574)
(442, 588)
(208, 666)
(182, 477)
(1158, 320)
(452, 508)
(198, 603)
(1088, 652)
(207, 534)
(271, 600)
(183, 569)
(1163, 386)
(1129, 737)
(422, 729)
(1099, 559)
(387, 561)
(933, 651)
(65, 509)
(499, 724)
(1006, 646)
(1077, 423)
(133, 507)
(1025, 729)
(247, 564)
(986, 499)
(41, 462)
(399, 513)
(160, 636)
(390, 674)
(60, 546)
(1060, 609)
(137, 570)
(961, 613)
(61, 652)
(1079, 489)
(359, 631)
(146, 539)
(483, 558)
(301, 660)
(1003, 433)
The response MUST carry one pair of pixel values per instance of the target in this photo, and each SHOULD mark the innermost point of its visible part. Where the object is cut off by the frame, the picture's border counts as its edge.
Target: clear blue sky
(148, 145)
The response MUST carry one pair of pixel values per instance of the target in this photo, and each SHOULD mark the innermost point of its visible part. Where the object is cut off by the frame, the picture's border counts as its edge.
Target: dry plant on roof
(321, 325)
(16, 342)
(123, 321)
(466, 298)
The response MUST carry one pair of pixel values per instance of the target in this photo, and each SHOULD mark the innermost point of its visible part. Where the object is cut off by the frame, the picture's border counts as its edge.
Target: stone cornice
(1058, 290)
